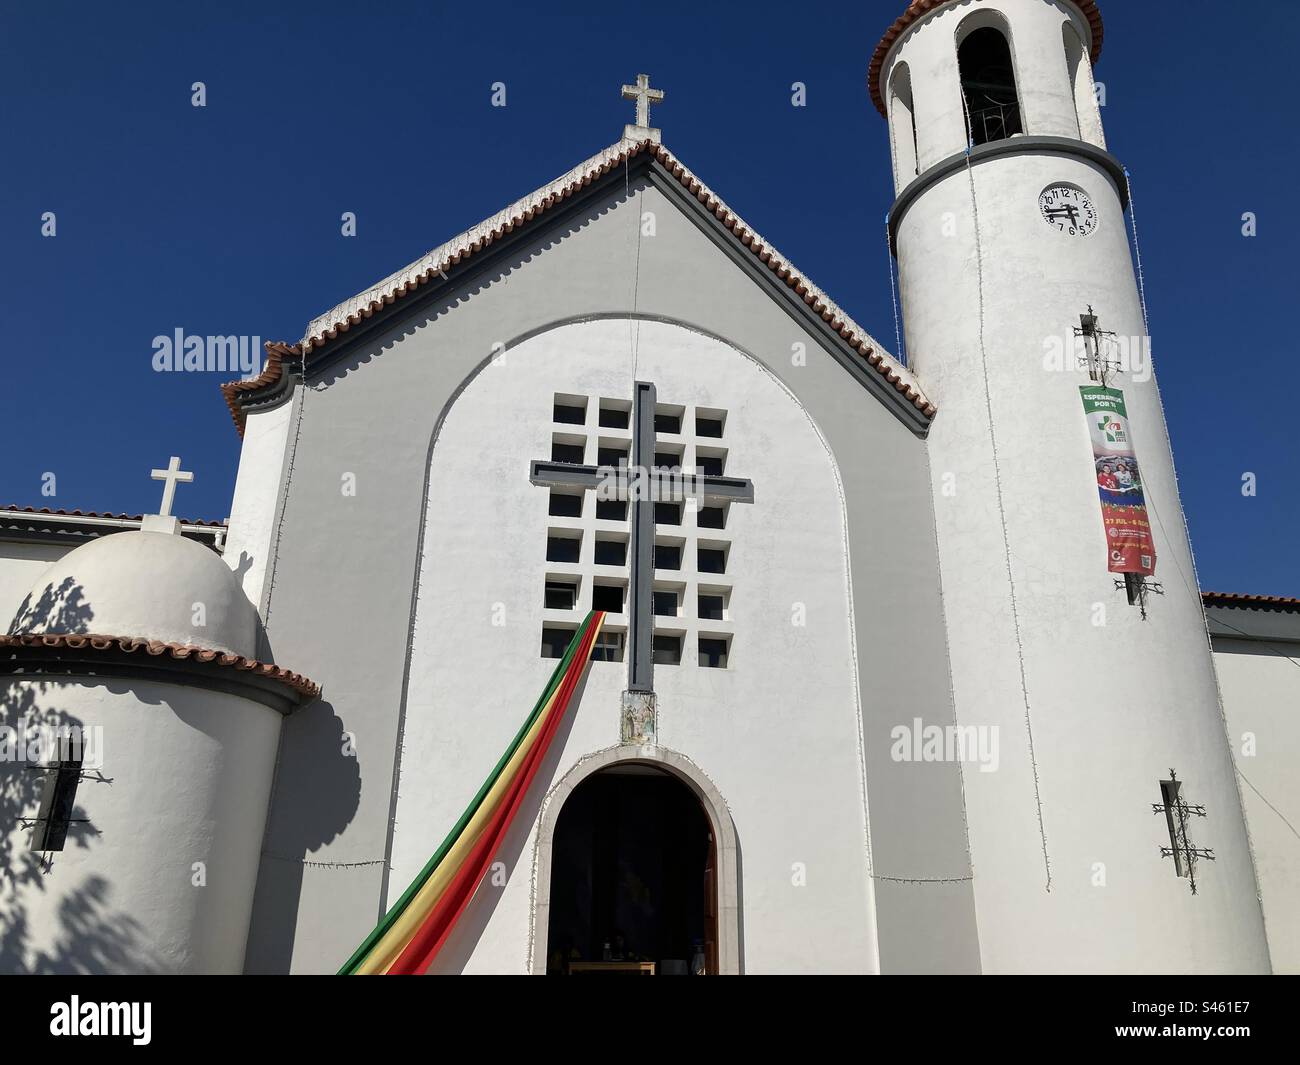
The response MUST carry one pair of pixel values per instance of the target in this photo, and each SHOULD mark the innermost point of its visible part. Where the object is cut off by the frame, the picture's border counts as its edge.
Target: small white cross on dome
(171, 477)
(644, 97)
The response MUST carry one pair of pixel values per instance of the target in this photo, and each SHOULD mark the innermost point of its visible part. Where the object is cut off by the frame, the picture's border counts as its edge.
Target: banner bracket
(1096, 345)
(1138, 588)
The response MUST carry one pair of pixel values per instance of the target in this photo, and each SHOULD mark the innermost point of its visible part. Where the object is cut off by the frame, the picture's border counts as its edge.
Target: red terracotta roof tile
(14, 508)
(918, 9)
(306, 690)
(340, 320)
(1255, 602)
(276, 351)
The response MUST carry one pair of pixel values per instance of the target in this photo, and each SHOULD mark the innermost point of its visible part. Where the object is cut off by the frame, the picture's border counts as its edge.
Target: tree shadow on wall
(91, 936)
(57, 609)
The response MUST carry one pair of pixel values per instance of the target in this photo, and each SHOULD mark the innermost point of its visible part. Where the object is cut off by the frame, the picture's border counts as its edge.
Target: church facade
(885, 680)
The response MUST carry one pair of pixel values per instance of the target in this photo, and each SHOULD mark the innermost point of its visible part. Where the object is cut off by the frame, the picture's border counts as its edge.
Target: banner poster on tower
(1129, 545)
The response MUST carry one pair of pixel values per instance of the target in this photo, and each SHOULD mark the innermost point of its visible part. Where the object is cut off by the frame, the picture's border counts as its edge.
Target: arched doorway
(633, 878)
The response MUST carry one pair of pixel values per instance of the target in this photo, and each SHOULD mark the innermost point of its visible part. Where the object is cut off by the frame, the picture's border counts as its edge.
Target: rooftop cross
(170, 477)
(644, 97)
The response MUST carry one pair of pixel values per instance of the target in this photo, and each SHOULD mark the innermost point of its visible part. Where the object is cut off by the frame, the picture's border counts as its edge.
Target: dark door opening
(633, 888)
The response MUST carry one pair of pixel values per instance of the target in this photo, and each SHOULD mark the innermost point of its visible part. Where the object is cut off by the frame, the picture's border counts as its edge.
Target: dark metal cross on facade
(1097, 345)
(642, 484)
(1177, 811)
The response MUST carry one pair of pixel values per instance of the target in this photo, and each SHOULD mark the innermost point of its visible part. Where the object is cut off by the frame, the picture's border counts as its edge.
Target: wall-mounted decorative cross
(1097, 345)
(1177, 812)
(642, 484)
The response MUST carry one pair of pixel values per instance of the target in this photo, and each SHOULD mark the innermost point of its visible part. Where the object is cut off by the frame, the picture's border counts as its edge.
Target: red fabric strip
(424, 946)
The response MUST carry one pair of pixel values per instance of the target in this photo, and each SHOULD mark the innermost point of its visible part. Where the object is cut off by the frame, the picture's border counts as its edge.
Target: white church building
(908, 671)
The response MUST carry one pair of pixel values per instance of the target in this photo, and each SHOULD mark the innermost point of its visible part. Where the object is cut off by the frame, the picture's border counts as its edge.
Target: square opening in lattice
(568, 447)
(555, 640)
(608, 596)
(667, 457)
(611, 550)
(668, 553)
(712, 557)
(613, 452)
(667, 513)
(713, 604)
(709, 421)
(714, 651)
(615, 413)
(561, 593)
(668, 418)
(711, 461)
(667, 649)
(565, 503)
(569, 410)
(667, 599)
(712, 517)
(563, 546)
(608, 646)
(611, 509)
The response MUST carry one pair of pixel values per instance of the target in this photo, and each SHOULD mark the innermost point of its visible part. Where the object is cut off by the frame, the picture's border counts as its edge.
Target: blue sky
(225, 219)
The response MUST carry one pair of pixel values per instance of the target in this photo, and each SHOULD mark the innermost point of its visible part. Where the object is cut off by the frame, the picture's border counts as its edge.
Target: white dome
(146, 586)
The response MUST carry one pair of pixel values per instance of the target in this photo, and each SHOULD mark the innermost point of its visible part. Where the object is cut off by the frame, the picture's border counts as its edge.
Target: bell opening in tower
(988, 83)
(633, 890)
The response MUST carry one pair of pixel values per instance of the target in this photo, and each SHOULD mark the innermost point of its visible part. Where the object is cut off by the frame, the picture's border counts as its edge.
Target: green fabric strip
(396, 909)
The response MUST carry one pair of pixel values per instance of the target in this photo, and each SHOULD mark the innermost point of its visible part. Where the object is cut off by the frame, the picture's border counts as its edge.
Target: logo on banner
(1112, 429)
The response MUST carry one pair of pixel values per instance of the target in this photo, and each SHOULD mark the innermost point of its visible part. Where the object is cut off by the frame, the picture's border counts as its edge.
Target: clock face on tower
(1069, 209)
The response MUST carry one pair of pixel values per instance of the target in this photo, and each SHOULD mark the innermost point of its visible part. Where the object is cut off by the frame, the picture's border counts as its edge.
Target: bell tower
(1075, 623)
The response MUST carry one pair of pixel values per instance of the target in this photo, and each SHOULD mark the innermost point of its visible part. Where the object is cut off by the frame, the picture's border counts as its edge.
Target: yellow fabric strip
(390, 947)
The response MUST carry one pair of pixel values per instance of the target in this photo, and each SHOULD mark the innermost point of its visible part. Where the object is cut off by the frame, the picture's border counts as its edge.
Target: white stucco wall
(20, 565)
(1044, 648)
(185, 778)
(780, 745)
(257, 486)
(1260, 681)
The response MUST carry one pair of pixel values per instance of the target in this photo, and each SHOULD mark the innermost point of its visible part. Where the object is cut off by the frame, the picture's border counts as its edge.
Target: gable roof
(918, 9)
(325, 329)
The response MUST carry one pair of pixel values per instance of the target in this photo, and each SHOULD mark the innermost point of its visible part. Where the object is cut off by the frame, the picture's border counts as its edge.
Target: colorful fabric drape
(413, 931)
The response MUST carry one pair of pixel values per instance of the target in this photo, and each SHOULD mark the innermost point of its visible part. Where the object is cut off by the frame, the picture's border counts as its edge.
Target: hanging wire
(283, 502)
(1193, 584)
(1137, 249)
(898, 335)
(1002, 512)
(634, 327)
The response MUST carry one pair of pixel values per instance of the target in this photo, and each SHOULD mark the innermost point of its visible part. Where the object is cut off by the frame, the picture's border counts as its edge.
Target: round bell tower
(1110, 837)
